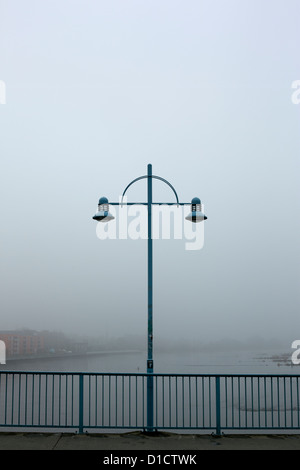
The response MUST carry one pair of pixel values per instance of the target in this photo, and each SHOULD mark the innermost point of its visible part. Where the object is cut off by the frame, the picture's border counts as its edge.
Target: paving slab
(144, 442)
(28, 441)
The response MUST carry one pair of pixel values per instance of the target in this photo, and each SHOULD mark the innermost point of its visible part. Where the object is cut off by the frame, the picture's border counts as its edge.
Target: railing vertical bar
(22, 394)
(5, 401)
(88, 383)
(103, 395)
(182, 404)
(93, 400)
(123, 400)
(81, 403)
(203, 400)
(143, 398)
(12, 398)
(272, 404)
(19, 401)
(298, 408)
(156, 403)
(218, 406)
(1, 375)
(252, 403)
(109, 400)
(291, 396)
(170, 401)
(278, 400)
(246, 404)
(53, 376)
(158, 390)
(116, 398)
(142, 402)
(176, 398)
(196, 400)
(26, 390)
(190, 402)
(258, 397)
(72, 401)
(6, 398)
(96, 400)
(232, 402)
(59, 398)
(46, 399)
(163, 410)
(265, 392)
(129, 400)
(226, 401)
(32, 398)
(210, 400)
(239, 399)
(136, 401)
(156, 393)
(39, 414)
(66, 400)
(284, 395)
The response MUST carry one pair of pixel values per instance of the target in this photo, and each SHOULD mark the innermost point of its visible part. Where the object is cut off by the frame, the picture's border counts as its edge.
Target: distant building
(23, 342)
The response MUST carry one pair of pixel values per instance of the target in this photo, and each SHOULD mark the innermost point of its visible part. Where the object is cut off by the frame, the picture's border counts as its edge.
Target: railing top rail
(133, 374)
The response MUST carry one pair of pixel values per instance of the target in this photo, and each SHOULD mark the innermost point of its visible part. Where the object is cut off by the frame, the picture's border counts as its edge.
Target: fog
(202, 90)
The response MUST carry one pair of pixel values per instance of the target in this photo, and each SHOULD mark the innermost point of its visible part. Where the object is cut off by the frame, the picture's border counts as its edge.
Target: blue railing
(87, 401)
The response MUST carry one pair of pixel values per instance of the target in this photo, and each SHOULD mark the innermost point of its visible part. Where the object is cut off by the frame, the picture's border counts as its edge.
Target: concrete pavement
(137, 441)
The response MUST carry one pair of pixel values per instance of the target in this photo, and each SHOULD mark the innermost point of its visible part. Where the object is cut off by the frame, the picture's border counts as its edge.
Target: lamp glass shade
(196, 216)
(103, 216)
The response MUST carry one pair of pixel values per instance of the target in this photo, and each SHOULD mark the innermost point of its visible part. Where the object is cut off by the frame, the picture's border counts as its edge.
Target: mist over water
(271, 361)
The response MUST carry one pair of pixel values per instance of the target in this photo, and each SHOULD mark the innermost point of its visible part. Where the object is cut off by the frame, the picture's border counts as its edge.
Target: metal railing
(86, 401)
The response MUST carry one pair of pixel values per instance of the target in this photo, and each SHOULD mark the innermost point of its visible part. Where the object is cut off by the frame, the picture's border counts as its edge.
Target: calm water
(205, 362)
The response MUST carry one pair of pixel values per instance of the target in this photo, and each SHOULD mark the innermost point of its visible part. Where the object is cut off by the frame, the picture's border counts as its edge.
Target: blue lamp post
(103, 215)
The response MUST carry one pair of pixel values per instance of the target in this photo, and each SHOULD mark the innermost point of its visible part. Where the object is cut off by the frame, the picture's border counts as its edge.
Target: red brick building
(23, 342)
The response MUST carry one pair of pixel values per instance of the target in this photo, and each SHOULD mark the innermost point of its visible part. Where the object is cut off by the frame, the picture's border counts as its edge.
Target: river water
(197, 362)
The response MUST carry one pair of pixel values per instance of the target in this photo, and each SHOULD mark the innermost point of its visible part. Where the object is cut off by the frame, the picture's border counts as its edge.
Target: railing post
(150, 308)
(80, 404)
(218, 406)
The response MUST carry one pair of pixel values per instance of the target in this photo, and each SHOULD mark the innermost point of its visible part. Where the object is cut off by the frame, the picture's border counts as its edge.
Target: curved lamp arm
(153, 176)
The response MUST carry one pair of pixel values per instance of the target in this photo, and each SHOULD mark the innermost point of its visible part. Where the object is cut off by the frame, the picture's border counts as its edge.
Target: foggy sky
(96, 90)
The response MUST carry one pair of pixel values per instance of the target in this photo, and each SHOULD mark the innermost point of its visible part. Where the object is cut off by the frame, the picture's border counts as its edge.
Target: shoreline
(70, 355)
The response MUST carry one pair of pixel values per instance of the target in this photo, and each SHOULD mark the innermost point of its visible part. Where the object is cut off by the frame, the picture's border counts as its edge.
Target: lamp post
(103, 215)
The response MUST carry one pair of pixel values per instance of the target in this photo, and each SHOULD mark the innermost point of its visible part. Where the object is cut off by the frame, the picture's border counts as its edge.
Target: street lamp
(196, 215)
(103, 215)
